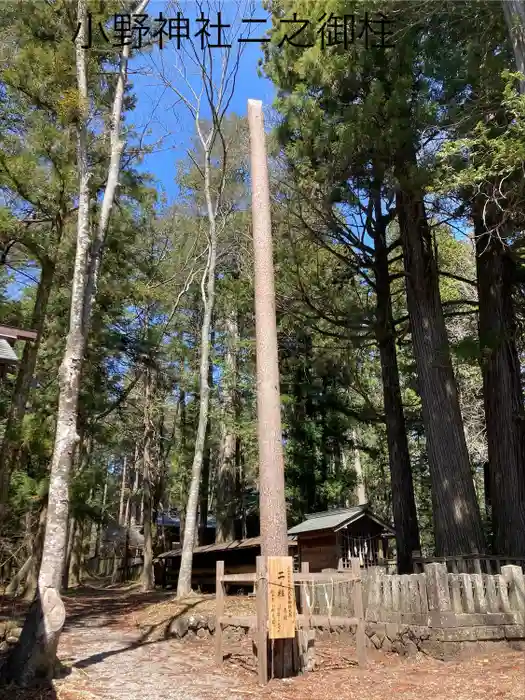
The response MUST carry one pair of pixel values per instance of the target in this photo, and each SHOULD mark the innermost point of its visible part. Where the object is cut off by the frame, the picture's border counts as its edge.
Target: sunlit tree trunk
(208, 296)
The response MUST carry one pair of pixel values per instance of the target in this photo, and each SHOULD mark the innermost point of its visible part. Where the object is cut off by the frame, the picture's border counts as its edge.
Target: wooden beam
(239, 578)
(339, 576)
(17, 333)
(237, 621)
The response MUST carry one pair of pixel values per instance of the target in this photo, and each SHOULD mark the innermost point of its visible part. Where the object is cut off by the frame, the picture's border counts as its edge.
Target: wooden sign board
(281, 598)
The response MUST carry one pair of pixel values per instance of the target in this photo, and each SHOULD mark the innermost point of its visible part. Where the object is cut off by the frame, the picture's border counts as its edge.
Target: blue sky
(171, 124)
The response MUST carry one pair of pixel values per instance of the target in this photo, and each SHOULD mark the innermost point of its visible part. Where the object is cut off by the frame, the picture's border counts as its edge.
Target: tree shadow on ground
(110, 603)
(154, 634)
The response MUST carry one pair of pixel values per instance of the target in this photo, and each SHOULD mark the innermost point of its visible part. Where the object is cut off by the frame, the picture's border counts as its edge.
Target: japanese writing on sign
(281, 598)
(138, 31)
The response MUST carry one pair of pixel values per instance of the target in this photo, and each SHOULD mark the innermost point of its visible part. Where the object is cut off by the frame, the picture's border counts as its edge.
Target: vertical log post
(359, 612)
(272, 503)
(513, 575)
(219, 611)
(261, 593)
(305, 569)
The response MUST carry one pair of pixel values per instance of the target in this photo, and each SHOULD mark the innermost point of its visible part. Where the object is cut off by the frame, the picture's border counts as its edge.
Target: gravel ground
(113, 648)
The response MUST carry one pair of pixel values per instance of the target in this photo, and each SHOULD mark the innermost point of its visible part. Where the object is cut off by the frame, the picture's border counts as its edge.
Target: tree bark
(502, 390)
(134, 518)
(226, 506)
(360, 489)
(204, 491)
(102, 515)
(75, 566)
(71, 531)
(148, 579)
(403, 500)
(121, 519)
(12, 438)
(208, 295)
(457, 519)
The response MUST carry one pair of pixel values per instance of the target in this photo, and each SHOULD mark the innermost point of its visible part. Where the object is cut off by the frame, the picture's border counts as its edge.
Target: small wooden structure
(329, 540)
(8, 335)
(305, 621)
(239, 556)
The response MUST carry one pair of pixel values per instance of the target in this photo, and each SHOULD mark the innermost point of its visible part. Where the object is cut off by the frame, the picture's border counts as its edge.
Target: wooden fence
(468, 563)
(438, 590)
(306, 620)
(128, 569)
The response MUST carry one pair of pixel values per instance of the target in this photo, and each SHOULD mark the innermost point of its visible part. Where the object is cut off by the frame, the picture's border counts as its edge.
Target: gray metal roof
(328, 520)
(7, 354)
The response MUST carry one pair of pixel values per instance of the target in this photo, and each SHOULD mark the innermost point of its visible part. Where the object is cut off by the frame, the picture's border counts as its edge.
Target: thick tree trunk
(502, 391)
(403, 500)
(11, 442)
(226, 506)
(148, 579)
(208, 294)
(457, 520)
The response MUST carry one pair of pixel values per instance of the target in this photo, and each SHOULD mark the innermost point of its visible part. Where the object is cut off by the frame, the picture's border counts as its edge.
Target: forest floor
(114, 648)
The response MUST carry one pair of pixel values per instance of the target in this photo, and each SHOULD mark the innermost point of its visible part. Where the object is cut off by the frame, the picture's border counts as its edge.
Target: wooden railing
(306, 620)
(390, 597)
(468, 563)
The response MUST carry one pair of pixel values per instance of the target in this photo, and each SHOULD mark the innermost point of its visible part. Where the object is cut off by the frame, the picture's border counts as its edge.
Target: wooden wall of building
(319, 550)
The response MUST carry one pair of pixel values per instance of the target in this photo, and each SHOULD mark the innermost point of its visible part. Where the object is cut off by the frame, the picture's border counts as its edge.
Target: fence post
(305, 569)
(219, 611)
(262, 619)
(513, 575)
(437, 587)
(416, 565)
(477, 563)
(360, 636)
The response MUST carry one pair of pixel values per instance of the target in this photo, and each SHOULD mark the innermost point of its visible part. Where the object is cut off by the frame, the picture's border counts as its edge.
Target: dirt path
(114, 649)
